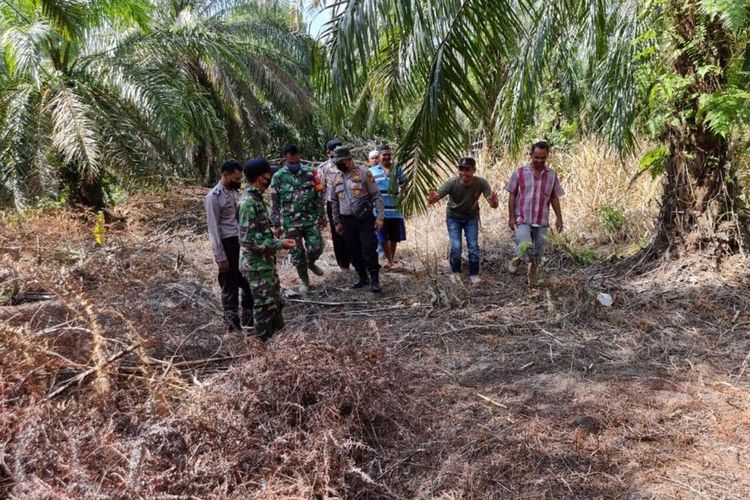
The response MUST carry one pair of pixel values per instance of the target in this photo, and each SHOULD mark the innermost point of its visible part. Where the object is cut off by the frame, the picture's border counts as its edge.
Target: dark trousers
(340, 248)
(231, 282)
(362, 243)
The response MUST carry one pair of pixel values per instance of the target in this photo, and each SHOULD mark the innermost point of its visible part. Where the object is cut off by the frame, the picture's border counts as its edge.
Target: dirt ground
(123, 384)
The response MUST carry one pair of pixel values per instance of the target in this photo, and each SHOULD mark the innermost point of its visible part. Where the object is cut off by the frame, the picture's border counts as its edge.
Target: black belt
(347, 216)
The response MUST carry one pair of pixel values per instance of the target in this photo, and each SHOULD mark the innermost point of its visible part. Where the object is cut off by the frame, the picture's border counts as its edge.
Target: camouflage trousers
(309, 247)
(267, 305)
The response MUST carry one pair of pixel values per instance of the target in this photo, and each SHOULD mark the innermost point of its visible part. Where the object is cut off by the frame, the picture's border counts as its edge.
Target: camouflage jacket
(295, 201)
(259, 247)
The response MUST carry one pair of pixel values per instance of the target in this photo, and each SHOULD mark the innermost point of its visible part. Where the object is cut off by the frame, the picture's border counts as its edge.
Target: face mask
(342, 166)
(293, 167)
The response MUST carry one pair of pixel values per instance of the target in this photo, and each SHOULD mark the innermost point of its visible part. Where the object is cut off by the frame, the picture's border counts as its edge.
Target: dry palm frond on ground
(117, 379)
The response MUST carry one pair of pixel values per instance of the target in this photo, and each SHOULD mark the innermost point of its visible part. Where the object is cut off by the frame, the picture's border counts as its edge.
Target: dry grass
(124, 384)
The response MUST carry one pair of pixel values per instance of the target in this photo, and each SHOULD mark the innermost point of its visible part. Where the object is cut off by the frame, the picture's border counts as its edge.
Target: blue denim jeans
(470, 227)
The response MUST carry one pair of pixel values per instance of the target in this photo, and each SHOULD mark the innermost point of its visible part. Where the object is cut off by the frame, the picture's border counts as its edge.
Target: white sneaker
(455, 278)
(475, 279)
(303, 289)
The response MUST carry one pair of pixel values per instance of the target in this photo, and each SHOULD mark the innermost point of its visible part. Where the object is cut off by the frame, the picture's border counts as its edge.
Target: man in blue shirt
(389, 178)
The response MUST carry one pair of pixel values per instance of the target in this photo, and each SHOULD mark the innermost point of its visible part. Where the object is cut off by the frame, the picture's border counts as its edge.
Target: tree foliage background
(99, 93)
(103, 93)
(672, 71)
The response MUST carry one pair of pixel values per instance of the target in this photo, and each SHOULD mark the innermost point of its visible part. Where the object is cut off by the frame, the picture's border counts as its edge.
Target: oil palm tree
(139, 88)
(674, 70)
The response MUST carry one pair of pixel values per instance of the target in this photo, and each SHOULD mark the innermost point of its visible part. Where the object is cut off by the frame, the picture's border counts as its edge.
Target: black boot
(363, 280)
(375, 282)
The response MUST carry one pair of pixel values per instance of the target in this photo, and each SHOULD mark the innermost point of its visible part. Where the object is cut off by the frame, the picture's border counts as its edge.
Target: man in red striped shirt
(533, 188)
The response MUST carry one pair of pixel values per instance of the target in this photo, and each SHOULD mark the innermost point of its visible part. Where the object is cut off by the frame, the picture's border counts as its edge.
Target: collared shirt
(352, 189)
(327, 173)
(534, 194)
(388, 184)
(221, 216)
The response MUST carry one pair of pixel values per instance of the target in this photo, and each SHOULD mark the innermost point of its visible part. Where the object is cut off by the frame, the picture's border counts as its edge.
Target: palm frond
(68, 17)
(74, 132)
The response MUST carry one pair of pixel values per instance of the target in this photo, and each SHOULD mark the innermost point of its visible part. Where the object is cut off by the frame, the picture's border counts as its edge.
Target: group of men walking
(360, 205)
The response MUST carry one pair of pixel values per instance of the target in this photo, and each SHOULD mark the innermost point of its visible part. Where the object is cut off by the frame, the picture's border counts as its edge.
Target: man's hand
(339, 228)
(322, 222)
(493, 200)
(276, 232)
(559, 225)
(287, 244)
(432, 196)
(512, 223)
(379, 224)
(223, 266)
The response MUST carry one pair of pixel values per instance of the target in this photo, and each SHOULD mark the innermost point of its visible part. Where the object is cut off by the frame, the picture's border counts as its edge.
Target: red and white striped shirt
(533, 194)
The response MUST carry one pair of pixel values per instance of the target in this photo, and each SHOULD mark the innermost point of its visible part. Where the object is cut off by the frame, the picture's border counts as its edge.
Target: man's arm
(213, 209)
(512, 189)
(275, 202)
(376, 198)
(318, 209)
(490, 195)
(558, 214)
(435, 196)
(250, 237)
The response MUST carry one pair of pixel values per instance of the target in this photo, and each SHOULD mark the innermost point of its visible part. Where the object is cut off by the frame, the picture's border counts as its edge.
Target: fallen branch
(83, 375)
(332, 304)
(492, 401)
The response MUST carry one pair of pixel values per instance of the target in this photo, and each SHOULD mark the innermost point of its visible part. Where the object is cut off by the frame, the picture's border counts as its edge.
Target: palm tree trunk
(698, 206)
(81, 189)
(700, 200)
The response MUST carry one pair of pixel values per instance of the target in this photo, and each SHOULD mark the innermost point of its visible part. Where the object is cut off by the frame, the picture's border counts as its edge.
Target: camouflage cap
(341, 153)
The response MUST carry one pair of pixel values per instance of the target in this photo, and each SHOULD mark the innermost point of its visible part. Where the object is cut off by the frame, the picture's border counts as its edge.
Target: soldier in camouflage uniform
(297, 212)
(259, 247)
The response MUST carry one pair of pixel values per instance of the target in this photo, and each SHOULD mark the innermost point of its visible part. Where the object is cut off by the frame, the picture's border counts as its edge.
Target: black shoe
(364, 280)
(361, 283)
(375, 280)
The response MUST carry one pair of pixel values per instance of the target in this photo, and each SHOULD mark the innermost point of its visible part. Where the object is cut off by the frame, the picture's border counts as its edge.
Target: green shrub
(612, 218)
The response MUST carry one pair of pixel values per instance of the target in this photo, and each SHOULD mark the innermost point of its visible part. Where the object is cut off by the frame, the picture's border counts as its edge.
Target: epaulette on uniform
(216, 191)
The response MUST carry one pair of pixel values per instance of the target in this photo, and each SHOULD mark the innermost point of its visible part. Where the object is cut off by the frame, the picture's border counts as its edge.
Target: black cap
(289, 149)
(340, 154)
(230, 166)
(255, 167)
(333, 144)
(384, 147)
(467, 161)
